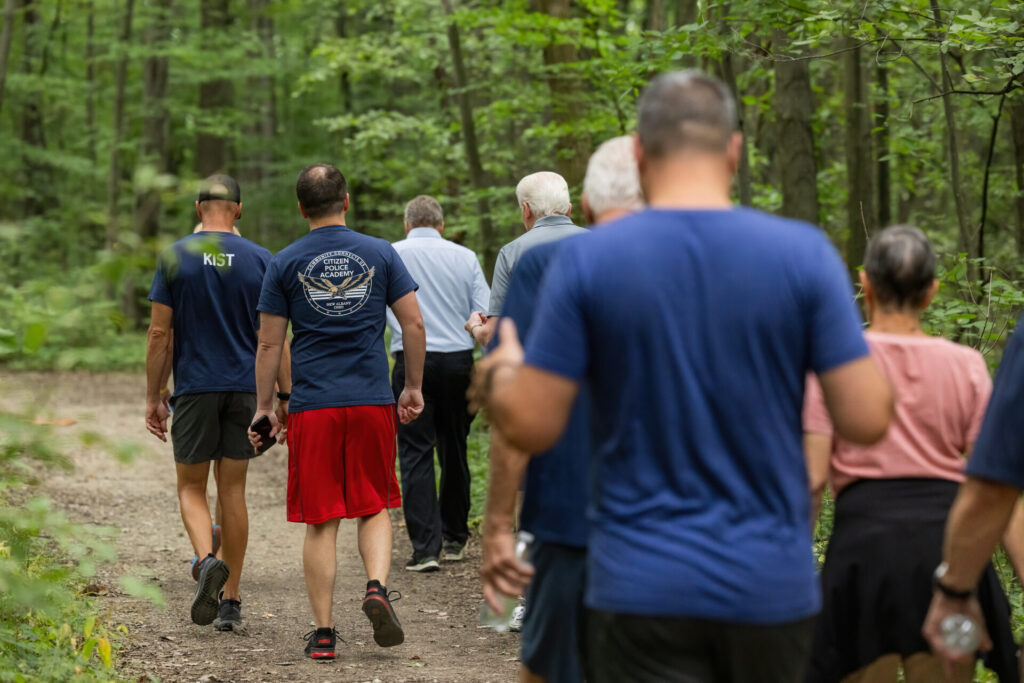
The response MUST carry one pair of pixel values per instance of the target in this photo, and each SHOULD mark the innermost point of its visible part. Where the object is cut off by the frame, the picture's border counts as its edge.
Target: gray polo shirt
(546, 229)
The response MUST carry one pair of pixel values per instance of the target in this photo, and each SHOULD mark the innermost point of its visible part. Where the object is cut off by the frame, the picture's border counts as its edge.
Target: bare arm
(273, 331)
(528, 405)
(165, 376)
(859, 399)
(157, 354)
(414, 345)
(817, 451)
(501, 572)
(1013, 540)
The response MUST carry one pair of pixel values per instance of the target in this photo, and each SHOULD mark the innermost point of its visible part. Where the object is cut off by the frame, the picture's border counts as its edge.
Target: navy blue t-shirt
(695, 330)
(555, 500)
(335, 285)
(212, 281)
(999, 451)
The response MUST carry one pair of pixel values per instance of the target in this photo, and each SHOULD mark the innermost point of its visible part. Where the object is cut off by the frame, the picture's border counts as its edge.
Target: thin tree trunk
(882, 147)
(727, 71)
(38, 177)
(256, 169)
(90, 79)
(212, 149)
(794, 107)
(860, 211)
(155, 120)
(655, 15)
(566, 100)
(341, 26)
(967, 238)
(6, 36)
(476, 170)
(1017, 124)
(114, 179)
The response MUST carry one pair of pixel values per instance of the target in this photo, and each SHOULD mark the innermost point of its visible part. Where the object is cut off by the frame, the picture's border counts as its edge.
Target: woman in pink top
(892, 498)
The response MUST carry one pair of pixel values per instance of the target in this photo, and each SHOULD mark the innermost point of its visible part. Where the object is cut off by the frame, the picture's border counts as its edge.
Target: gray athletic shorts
(212, 425)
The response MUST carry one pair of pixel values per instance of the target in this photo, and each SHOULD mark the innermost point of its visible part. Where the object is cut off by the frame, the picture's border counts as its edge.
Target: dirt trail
(438, 611)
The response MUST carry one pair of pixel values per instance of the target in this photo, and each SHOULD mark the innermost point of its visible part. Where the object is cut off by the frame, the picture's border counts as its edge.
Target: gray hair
(900, 264)
(424, 212)
(547, 193)
(685, 110)
(612, 180)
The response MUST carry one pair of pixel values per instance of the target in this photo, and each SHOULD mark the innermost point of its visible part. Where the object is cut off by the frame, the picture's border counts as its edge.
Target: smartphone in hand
(262, 427)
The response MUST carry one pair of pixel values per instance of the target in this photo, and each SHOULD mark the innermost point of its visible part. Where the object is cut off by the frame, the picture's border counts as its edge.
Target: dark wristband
(951, 593)
(283, 395)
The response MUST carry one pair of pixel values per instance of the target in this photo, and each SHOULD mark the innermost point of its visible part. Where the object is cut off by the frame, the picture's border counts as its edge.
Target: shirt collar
(424, 232)
(552, 221)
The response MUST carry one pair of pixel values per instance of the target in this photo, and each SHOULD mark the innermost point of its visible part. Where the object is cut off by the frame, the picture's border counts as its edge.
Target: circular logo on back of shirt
(337, 283)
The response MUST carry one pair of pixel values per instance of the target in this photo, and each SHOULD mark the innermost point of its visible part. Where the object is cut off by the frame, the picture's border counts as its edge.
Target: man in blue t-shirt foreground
(335, 285)
(205, 290)
(693, 324)
(555, 496)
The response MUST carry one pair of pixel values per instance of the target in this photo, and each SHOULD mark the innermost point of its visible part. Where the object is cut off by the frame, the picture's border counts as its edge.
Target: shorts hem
(299, 519)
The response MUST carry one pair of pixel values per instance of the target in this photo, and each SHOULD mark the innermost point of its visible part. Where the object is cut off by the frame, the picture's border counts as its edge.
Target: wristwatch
(283, 395)
(952, 593)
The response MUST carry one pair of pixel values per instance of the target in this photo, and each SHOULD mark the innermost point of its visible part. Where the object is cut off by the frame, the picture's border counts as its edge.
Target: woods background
(856, 115)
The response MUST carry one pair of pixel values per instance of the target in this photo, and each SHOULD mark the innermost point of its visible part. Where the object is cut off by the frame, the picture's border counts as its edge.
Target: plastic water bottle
(960, 634)
(500, 622)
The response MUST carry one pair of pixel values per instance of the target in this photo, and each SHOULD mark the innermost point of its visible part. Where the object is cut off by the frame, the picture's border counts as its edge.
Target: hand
(508, 352)
(941, 608)
(165, 398)
(156, 418)
(476, 319)
(410, 405)
(282, 416)
(501, 573)
(275, 427)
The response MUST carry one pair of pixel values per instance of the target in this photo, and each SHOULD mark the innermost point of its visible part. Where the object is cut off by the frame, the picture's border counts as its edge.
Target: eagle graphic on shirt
(339, 290)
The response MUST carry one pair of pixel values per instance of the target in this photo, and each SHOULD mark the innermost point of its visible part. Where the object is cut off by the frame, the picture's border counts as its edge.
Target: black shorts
(212, 425)
(627, 647)
(554, 610)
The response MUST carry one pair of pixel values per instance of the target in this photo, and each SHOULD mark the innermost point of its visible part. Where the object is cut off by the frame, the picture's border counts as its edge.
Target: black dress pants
(444, 424)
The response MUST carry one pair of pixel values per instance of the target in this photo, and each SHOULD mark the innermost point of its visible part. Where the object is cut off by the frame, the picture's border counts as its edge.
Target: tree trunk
(967, 241)
(341, 26)
(6, 36)
(155, 121)
(38, 177)
(794, 107)
(212, 149)
(655, 15)
(114, 179)
(566, 99)
(1017, 123)
(882, 147)
(686, 12)
(90, 79)
(860, 211)
(256, 171)
(476, 169)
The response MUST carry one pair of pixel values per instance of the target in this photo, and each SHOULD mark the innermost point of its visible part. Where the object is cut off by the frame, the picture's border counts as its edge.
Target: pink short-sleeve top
(941, 390)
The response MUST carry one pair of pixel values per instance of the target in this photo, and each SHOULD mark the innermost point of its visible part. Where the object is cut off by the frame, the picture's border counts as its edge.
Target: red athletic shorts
(341, 463)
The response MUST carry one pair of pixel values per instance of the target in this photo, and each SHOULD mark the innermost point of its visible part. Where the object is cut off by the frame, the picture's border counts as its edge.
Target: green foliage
(49, 629)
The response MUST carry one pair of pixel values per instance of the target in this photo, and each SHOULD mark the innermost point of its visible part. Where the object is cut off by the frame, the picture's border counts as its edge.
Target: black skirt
(877, 580)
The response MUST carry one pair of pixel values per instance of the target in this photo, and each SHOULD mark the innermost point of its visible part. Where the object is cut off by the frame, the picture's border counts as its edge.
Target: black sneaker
(387, 632)
(454, 551)
(321, 642)
(422, 563)
(229, 617)
(213, 574)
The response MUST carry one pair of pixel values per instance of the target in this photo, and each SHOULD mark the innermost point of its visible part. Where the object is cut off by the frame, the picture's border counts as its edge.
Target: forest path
(438, 611)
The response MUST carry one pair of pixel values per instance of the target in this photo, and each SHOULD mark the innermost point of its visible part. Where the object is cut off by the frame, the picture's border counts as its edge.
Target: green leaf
(90, 623)
(35, 334)
(140, 589)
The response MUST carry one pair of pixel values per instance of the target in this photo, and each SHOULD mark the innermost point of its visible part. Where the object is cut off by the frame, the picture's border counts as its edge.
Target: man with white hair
(555, 498)
(544, 202)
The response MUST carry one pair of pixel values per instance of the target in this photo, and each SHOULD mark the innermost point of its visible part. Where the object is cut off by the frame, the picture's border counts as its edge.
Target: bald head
(685, 111)
(612, 184)
(321, 190)
(546, 194)
(900, 265)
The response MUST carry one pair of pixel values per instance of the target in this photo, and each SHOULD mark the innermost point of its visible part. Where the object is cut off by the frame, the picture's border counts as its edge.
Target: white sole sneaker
(427, 564)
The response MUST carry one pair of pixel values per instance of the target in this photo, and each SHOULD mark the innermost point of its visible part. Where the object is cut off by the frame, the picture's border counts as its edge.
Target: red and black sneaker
(321, 642)
(387, 632)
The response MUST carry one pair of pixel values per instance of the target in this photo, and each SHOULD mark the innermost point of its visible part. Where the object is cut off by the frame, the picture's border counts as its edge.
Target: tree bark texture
(153, 149)
(469, 141)
(114, 177)
(794, 108)
(860, 205)
(38, 178)
(6, 37)
(1017, 124)
(655, 15)
(213, 149)
(882, 166)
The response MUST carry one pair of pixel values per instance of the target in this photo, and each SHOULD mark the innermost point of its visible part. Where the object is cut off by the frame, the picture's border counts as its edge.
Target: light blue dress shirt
(452, 286)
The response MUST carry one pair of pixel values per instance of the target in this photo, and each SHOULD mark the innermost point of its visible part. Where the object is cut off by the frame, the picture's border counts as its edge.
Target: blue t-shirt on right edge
(999, 451)
(695, 331)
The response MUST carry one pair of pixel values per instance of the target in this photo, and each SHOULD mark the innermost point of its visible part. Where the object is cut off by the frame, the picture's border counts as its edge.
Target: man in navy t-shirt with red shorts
(334, 285)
